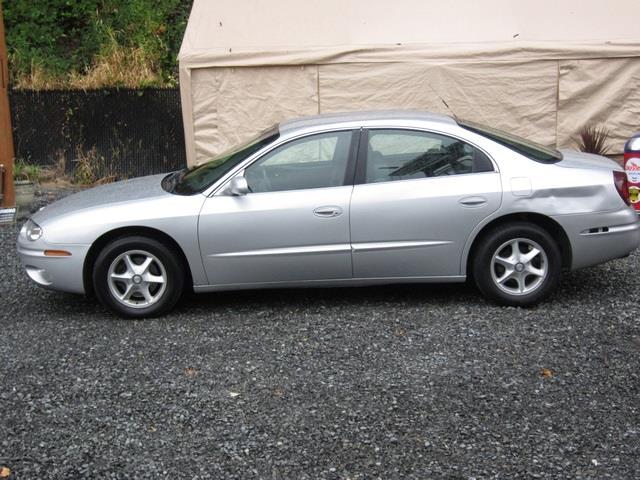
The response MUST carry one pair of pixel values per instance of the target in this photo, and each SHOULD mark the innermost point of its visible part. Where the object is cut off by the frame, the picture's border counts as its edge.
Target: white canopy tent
(541, 69)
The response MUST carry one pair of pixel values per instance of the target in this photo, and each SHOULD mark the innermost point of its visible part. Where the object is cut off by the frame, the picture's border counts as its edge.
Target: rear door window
(394, 154)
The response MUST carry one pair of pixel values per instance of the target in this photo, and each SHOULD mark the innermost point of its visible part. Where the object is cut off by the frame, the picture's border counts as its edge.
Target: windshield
(529, 149)
(199, 178)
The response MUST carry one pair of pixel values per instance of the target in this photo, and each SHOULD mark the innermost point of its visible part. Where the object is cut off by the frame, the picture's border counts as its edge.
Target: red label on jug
(632, 168)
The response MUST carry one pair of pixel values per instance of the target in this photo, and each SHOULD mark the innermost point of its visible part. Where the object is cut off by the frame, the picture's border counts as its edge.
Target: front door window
(316, 161)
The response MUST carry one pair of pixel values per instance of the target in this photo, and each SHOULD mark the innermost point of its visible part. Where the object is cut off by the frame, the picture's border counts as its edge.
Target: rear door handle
(327, 211)
(473, 201)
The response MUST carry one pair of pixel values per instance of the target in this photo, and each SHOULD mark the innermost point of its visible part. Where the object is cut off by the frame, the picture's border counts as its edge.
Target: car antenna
(449, 108)
(455, 117)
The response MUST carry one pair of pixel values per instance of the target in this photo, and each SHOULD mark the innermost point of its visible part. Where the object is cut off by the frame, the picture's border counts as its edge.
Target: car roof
(362, 117)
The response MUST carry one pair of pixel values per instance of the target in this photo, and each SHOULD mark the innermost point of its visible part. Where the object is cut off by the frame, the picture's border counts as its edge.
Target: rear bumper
(54, 273)
(598, 237)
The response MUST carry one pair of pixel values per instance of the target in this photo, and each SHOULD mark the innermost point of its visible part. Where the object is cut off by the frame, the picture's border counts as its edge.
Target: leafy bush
(94, 43)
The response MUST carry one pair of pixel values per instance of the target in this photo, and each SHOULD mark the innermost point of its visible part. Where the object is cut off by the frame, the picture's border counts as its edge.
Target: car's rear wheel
(138, 277)
(517, 264)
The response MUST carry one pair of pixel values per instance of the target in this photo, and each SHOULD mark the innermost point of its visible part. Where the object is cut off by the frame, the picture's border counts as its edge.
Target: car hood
(573, 159)
(123, 192)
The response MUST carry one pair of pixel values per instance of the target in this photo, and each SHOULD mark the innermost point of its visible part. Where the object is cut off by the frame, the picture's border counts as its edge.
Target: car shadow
(406, 294)
(575, 287)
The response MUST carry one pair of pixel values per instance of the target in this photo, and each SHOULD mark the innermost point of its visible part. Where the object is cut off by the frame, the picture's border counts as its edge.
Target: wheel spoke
(131, 267)
(128, 292)
(151, 278)
(530, 255)
(144, 289)
(121, 276)
(144, 266)
(506, 276)
(538, 272)
(515, 251)
(507, 263)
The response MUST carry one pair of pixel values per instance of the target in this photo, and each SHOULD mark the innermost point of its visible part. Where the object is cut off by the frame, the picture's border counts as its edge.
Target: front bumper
(55, 273)
(599, 237)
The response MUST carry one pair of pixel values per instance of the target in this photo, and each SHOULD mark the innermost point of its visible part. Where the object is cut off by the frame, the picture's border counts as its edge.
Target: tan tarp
(605, 91)
(487, 93)
(246, 101)
(544, 84)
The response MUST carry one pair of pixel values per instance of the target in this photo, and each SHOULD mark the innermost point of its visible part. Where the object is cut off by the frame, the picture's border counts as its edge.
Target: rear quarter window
(528, 148)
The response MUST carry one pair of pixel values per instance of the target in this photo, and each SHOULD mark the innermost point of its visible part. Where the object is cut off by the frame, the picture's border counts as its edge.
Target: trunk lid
(574, 159)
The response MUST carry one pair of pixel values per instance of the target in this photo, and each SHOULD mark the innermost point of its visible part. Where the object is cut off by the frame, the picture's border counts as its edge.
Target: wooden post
(6, 133)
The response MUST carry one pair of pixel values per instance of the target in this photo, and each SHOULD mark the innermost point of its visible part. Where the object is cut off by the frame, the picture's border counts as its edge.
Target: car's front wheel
(518, 264)
(138, 277)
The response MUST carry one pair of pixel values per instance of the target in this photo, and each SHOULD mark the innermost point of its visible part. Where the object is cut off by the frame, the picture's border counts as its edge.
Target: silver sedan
(347, 199)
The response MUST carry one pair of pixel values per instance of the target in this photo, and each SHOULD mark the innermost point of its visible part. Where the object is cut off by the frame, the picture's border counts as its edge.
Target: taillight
(622, 185)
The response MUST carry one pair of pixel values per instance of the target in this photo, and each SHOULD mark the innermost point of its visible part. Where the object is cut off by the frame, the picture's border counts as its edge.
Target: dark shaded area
(121, 132)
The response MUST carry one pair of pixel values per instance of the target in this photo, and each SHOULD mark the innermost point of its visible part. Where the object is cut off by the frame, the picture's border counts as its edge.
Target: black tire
(497, 245)
(161, 296)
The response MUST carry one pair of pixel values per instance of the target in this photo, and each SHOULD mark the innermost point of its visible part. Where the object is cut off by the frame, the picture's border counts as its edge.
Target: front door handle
(473, 201)
(327, 211)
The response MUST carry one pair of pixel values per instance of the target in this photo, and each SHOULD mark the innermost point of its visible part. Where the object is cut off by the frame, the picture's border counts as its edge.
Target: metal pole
(6, 133)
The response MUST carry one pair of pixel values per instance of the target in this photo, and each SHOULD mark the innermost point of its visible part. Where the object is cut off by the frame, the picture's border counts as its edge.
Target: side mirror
(238, 186)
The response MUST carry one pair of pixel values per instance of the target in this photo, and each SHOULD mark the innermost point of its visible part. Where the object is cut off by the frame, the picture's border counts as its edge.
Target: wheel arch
(111, 235)
(543, 221)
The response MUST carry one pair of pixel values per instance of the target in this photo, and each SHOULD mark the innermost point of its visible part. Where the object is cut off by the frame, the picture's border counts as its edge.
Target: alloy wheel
(519, 266)
(137, 279)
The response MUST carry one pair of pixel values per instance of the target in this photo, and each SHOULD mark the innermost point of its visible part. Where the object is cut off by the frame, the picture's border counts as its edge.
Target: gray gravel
(394, 382)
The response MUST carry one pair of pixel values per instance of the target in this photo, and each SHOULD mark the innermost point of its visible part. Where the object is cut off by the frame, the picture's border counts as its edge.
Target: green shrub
(26, 171)
(54, 43)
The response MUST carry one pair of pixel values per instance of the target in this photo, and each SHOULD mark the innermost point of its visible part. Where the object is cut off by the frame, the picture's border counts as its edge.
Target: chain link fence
(113, 132)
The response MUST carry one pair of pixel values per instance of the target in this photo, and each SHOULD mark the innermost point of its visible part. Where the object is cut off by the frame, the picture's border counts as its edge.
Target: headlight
(32, 230)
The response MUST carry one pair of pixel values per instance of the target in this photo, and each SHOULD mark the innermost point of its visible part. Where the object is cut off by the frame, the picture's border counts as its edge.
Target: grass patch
(119, 66)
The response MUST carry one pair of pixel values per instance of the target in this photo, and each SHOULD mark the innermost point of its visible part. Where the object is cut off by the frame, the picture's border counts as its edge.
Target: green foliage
(62, 39)
(45, 33)
(25, 171)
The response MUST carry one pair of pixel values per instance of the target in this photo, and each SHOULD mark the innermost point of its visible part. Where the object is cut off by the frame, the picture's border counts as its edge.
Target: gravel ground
(396, 382)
